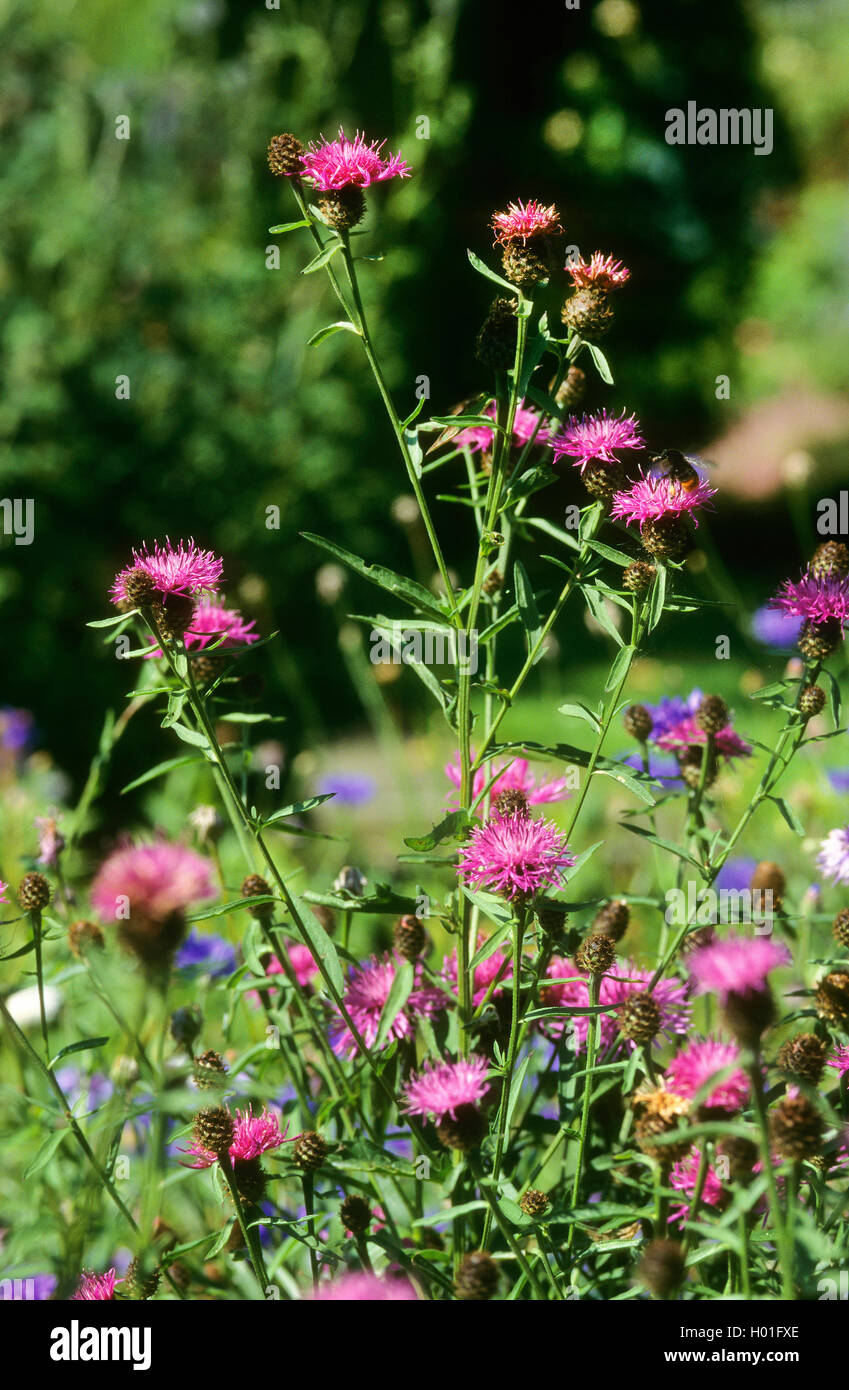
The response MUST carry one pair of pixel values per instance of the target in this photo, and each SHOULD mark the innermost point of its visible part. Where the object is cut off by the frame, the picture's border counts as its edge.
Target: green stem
(779, 1227)
(592, 1041)
(506, 1085)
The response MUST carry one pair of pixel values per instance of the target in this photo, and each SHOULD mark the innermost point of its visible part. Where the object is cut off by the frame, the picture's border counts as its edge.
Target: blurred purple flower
(775, 629)
(839, 779)
(206, 955)
(350, 788)
(17, 730)
(91, 1091)
(736, 874)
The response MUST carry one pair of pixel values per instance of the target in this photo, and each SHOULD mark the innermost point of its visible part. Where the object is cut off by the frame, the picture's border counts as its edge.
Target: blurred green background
(147, 258)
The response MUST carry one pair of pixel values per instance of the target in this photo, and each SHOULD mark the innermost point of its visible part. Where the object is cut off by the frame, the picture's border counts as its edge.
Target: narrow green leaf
(84, 1045)
(323, 257)
(407, 589)
(341, 326)
(192, 736)
(283, 227)
(398, 995)
(451, 828)
(528, 611)
(322, 946)
(601, 363)
(161, 769)
(298, 808)
(45, 1153)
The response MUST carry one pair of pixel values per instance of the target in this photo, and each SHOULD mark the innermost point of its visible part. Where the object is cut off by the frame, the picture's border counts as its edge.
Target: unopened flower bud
(477, 1278)
(185, 1024)
(356, 1214)
(409, 937)
(284, 155)
(534, 1203)
(796, 1127)
(255, 886)
(811, 700)
(310, 1151)
(638, 576)
(830, 560)
(662, 1267)
(712, 714)
(596, 954)
(638, 722)
(34, 892)
(802, 1056)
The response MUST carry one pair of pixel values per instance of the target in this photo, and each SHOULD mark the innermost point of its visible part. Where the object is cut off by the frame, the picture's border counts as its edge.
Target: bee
(681, 468)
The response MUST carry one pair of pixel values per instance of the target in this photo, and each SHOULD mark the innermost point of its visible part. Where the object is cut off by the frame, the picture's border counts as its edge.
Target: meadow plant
(538, 1110)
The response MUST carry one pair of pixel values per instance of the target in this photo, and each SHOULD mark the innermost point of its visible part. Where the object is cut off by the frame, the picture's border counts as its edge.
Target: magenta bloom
(516, 776)
(303, 964)
(497, 966)
(833, 857)
(526, 426)
(174, 569)
(51, 841)
(651, 498)
(152, 880)
(223, 627)
(344, 163)
(365, 996)
(440, 1087)
(596, 437)
(599, 273)
(4, 888)
(93, 1288)
(360, 1287)
(693, 1068)
(671, 997)
(687, 734)
(683, 1177)
(524, 220)
(515, 856)
(737, 965)
(253, 1136)
(818, 600)
(840, 1061)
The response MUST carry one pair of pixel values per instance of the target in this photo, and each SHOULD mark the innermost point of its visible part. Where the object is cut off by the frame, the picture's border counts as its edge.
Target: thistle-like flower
(440, 1087)
(513, 776)
(367, 991)
(695, 1065)
(94, 1288)
(515, 855)
(214, 625)
(596, 438)
(833, 857)
(181, 569)
(737, 965)
(683, 1178)
(526, 426)
(153, 881)
(651, 498)
(360, 1287)
(344, 163)
(618, 989)
(600, 272)
(815, 598)
(523, 221)
(253, 1135)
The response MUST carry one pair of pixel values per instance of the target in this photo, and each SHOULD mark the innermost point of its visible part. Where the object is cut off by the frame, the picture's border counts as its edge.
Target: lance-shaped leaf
(451, 829)
(406, 589)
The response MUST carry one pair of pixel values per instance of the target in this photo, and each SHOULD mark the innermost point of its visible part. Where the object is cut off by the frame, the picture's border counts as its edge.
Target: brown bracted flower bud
(695, 940)
(819, 640)
(342, 208)
(802, 1056)
(512, 802)
(496, 342)
(477, 1278)
(638, 577)
(310, 1151)
(638, 722)
(464, 1131)
(741, 1155)
(139, 589)
(534, 1203)
(255, 886)
(213, 1129)
(494, 583)
(651, 1127)
(665, 536)
(356, 1214)
(172, 616)
(552, 918)
(612, 920)
(571, 390)
(526, 263)
(769, 877)
(811, 700)
(251, 1180)
(832, 998)
(142, 1277)
(83, 936)
(410, 937)
(796, 1127)
(712, 714)
(662, 1267)
(747, 1016)
(210, 1070)
(185, 1024)
(34, 892)
(588, 313)
(603, 479)
(208, 666)
(840, 928)
(830, 560)
(639, 1018)
(284, 155)
(596, 954)
(690, 763)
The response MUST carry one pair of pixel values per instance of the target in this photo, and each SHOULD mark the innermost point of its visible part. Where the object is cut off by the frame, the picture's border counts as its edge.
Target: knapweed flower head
(513, 776)
(818, 600)
(515, 856)
(440, 1087)
(360, 1287)
(687, 734)
(303, 964)
(684, 1176)
(650, 498)
(616, 989)
(51, 841)
(182, 569)
(344, 163)
(497, 967)
(840, 1061)
(833, 857)
(526, 426)
(522, 221)
(214, 625)
(253, 1135)
(153, 880)
(4, 888)
(94, 1288)
(600, 272)
(365, 996)
(597, 437)
(694, 1066)
(737, 965)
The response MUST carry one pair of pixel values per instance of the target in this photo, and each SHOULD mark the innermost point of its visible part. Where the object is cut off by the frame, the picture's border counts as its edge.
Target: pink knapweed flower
(652, 497)
(222, 627)
(253, 1136)
(670, 995)
(360, 1287)
(51, 841)
(526, 426)
(687, 734)
(174, 569)
(515, 856)
(693, 1067)
(683, 1177)
(840, 1061)
(737, 965)
(515, 776)
(303, 964)
(365, 996)
(94, 1288)
(818, 600)
(599, 273)
(440, 1087)
(597, 437)
(524, 220)
(497, 966)
(153, 880)
(4, 888)
(344, 163)
(833, 858)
